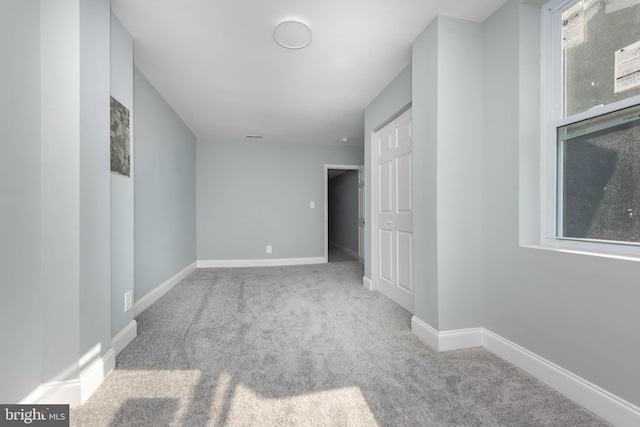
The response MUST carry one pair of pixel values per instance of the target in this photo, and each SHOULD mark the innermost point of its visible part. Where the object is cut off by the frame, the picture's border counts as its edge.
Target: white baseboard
(61, 392)
(32, 398)
(143, 303)
(606, 405)
(460, 338)
(426, 333)
(93, 376)
(447, 340)
(367, 283)
(269, 262)
(124, 337)
(76, 391)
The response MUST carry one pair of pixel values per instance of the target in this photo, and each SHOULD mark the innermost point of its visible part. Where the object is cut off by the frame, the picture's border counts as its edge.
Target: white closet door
(395, 211)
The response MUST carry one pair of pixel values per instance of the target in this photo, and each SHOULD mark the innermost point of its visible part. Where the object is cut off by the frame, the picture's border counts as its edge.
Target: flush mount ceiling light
(292, 33)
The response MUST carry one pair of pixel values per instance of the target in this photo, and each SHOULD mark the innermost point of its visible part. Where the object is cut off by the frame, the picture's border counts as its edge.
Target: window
(591, 147)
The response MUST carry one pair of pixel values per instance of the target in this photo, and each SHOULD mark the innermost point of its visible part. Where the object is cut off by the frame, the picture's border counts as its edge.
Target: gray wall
(460, 190)
(424, 57)
(60, 186)
(383, 107)
(250, 195)
(343, 210)
(578, 311)
(95, 222)
(55, 192)
(122, 261)
(164, 185)
(20, 286)
(446, 173)
(75, 184)
(447, 134)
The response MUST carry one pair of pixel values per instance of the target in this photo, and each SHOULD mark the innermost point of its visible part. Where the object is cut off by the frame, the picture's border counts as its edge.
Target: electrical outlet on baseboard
(128, 300)
(269, 249)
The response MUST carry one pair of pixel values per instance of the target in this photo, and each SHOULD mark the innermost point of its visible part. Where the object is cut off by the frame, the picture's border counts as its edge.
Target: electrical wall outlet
(268, 249)
(128, 300)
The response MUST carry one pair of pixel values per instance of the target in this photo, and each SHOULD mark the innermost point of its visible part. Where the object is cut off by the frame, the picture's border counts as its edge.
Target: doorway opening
(344, 223)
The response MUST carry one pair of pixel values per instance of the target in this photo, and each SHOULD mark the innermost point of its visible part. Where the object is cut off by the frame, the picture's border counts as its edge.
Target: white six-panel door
(395, 211)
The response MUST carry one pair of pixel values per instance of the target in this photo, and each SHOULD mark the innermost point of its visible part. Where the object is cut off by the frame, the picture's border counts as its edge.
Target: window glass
(600, 52)
(599, 177)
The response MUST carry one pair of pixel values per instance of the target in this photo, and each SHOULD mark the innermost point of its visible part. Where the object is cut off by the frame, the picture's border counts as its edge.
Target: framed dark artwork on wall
(120, 155)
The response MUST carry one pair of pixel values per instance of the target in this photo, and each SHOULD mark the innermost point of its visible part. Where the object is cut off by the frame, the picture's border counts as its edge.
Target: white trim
(143, 303)
(124, 337)
(460, 338)
(349, 251)
(269, 262)
(367, 283)
(582, 252)
(551, 83)
(426, 333)
(92, 377)
(61, 392)
(594, 398)
(77, 391)
(447, 340)
(32, 398)
(326, 202)
(599, 401)
(362, 210)
(373, 217)
(394, 116)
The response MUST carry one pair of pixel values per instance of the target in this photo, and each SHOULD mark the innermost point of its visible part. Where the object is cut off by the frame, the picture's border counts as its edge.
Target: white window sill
(619, 252)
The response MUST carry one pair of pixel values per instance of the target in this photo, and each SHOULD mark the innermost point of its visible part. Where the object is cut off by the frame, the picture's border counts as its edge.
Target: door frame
(326, 202)
(373, 221)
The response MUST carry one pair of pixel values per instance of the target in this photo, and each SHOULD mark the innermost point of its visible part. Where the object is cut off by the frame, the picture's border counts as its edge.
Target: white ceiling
(217, 64)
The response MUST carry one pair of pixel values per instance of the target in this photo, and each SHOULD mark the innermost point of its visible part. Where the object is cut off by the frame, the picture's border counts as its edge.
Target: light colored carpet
(337, 254)
(308, 346)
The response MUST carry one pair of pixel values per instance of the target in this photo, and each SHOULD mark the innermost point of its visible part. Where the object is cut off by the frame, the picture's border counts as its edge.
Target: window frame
(552, 118)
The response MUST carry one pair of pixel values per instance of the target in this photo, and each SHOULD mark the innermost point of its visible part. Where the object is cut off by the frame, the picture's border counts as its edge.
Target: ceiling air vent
(253, 136)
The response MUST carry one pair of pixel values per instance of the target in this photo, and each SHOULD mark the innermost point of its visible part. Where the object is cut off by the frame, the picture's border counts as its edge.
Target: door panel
(386, 254)
(385, 143)
(404, 190)
(385, 191)
(405, 259)
(404, 133)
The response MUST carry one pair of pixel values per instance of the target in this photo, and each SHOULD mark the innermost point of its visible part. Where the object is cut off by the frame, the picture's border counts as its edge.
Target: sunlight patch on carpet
(342, 406)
